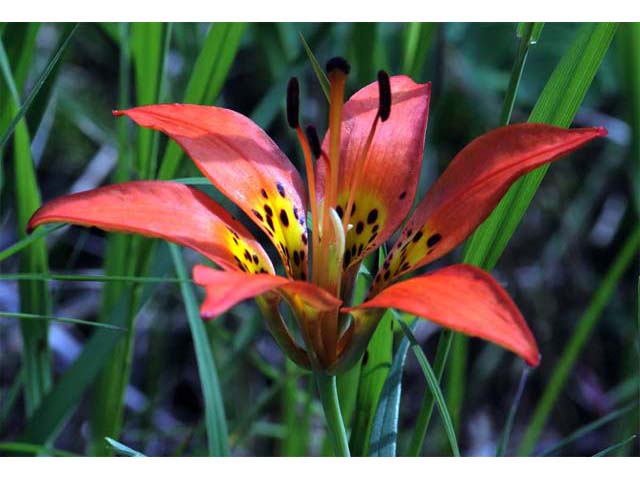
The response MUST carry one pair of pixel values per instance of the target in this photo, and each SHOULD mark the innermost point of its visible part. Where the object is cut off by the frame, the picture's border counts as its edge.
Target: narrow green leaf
(590, 427)
(88, 278)
(53, 62)
(33, 449)
(384, 426)
(563, 367)
(217, 432)
(28, 240)
(122, 450)
(375, 368)
(418, 38)
(322, 77)
(616, 446)
(34, 316)
(434, 386)
(506, 432)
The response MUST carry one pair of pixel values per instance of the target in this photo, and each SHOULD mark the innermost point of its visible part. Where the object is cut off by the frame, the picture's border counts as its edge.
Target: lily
(361, 183)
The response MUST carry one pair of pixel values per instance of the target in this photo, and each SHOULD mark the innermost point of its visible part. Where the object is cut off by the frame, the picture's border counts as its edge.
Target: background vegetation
(100, 335)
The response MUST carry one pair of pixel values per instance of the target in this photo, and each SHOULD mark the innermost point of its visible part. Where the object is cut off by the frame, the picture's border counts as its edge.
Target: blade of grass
(375, 369)
(319, 71)
(428, 400)
(34, 295)
(28, 240)
(53, 62)
(78, 321)
(217, 431)
(616, 446)
(89, 278)
(563, 367)
(418, 37)
(506, 433)
(384, 425)
(36, 450)
(209, 73)
(122, 450)
(582, 431)
(434, 386)
(10, 397)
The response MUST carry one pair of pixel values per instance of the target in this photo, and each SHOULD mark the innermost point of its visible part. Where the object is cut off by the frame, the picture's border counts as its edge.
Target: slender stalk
(331, 406)
(506, 434)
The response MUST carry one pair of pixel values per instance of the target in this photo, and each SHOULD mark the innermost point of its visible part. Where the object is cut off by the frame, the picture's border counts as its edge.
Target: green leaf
(616, 446)
(122, 450)
(563, 367)
(321, 76)
(28, 240)
(434, 386)
(217, 431)
(590, 427)
(418, 38)
(375, 369)
(33, 449)
(384, 427)
(33, 316)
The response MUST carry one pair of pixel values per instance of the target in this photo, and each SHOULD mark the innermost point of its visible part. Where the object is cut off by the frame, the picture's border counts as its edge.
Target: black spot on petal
(402, 195)
(268, 211)
(280, 189)
(373, 216)
(433, 239)
(417, 236)
(359, 228)
(284, 218)
(339, 211)
(264, 193)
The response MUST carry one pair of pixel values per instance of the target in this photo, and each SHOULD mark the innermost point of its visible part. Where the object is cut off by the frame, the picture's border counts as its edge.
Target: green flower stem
(331, 406)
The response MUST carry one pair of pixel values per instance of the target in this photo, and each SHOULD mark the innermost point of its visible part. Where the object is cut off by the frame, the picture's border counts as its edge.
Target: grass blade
(53, 62)
(374, 376)
(47, 318)
(434, 386)
(319, 71)
(384, 425)
(33, 449)
(582, 431)
(34, 295)
(625, 258)
(506, 433)
(418, 37)
(217, 431)
(28, 240)
(122, 450)
(616, 446)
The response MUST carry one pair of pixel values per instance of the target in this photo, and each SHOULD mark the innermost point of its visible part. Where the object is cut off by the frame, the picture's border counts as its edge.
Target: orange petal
(471, 187)
(242, 161)
(387, 188)
(465, 299)
(225, 289)
(167, 210)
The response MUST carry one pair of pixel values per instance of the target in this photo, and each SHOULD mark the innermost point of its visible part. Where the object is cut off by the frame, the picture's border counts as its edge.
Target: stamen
(293, 103)
(384, 110)
(337, 70)
(314, 141)
(308, 162)
(384, 89)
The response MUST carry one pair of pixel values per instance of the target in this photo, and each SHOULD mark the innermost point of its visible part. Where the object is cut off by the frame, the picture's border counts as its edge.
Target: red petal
(388, 186)
(226, 289)
(167, 210)
(465, 299)
(473, 184)
(242, 161)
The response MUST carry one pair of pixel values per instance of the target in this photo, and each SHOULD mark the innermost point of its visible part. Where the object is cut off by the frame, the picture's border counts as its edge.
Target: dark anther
(314, 142)
(384, 89)
(293, 102)
(339, 63)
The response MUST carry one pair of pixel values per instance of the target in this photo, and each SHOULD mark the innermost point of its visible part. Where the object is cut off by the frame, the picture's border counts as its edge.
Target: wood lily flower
(359, 191)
